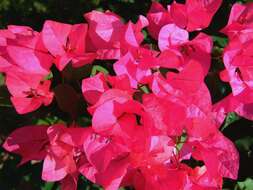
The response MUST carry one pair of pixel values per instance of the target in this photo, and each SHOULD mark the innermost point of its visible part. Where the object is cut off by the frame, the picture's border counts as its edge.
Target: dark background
(33, 13)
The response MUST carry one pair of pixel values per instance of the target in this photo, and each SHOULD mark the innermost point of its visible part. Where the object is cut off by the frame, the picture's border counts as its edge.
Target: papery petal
(93, 87)
(54, 35)
(30, 147)
(157, 16)
(170, 35)
(30, 60)
(53, 170)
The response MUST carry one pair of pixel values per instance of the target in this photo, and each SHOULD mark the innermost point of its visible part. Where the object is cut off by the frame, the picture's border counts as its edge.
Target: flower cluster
(153, 124)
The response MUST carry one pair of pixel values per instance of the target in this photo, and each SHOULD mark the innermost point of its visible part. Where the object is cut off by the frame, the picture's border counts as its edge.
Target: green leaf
(180, 141)
(231, 118)
(50, 120)
(98, 68)
(245, 143)
(144, 89)
(2, 79)
(4, 97)
(245, 185)
(220, 41)
(49, 76)
(48, 186)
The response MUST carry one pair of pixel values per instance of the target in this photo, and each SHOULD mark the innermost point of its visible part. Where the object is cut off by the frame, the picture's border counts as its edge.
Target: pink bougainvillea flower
(4, 35)
(109, 37)
(93, 87)
(171, 35)
(116, 148)
(199, 49)
(219, 155)
(188, 90)
(66, 43)
(112, 110)
(117, 116)
(30, 60)
(157, 16)
(25, 61)
(237, 104)
(199, 179)
(151, 119)
(153, 163)
(164, 115)
(126, 158)
(174, 44)
(108, 157)
(5, 65)
(129, 66)
(187, 15)
(238, 62)
(189, 79)
(64, 152)
(58, 146)
(24, 36)
(30, 147)
(22, 49)
(240, 22)
(103, 29)
(28, 92)
(120, 82)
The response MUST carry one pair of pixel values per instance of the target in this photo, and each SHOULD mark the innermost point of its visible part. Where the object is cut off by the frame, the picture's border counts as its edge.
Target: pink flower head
(66, 43)
(110, 38)
(63, 153)
(178, 51)
(114, 109)
(237, 104)
(162, 114)
(171, 35)
(30, 147)
(132, 68)
(58, 146)
(28, 91)
(187, 15)
(157, 16)
(22, 49)
(94, 87)
(240, 22)
(150, 121)
(238, 62)
(219, 155)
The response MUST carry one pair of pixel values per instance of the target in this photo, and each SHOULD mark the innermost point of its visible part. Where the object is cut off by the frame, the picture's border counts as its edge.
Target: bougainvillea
(153, 124)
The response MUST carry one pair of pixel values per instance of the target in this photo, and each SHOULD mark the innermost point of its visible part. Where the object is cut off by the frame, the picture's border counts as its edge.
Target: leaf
(4, 97)
(49, 76)
(244, 143)
(245, 185)
(48, 186)
(98, 68)
(180, 141)
(144, 89)
(50, 120)
(231, 118)
(222, 42)
(2, 79)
